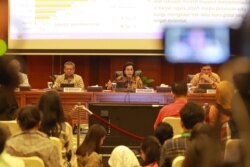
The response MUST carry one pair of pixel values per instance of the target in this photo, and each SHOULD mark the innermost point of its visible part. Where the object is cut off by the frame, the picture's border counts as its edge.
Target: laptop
(67, 85)
(205, 86)
(122, 86)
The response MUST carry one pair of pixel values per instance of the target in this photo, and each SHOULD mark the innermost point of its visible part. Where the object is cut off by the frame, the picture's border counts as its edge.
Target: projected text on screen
(110, 24)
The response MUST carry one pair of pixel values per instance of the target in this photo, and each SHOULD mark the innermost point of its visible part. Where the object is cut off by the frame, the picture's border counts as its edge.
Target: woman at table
(128, 76)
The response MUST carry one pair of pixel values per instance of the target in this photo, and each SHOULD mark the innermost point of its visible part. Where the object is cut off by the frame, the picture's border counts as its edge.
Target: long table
(70, 99)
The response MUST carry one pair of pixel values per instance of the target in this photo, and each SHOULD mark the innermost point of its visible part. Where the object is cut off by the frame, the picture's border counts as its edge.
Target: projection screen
(110, 24)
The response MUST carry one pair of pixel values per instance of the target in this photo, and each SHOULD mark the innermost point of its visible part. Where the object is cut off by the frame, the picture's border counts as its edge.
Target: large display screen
(110, 24)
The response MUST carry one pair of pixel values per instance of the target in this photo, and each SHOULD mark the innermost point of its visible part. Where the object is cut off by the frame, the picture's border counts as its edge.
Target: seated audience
(23, 78)
(53, 121)
(6, 160)
(88, 152)
(204, 148)
(69, 77)
(131, 81)
(221, 112)
(205, 76)
(31, 142)
(163, 132)
(9, 80)
(150, 151)
(179, 91)
(190, 114)
(122, 156)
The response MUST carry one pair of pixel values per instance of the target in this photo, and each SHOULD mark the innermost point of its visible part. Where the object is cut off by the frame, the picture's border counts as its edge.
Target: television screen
(135, 118)
(207, 45)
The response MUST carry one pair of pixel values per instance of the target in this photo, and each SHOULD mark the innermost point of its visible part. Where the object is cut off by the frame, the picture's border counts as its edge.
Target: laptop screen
(67, 85)
(205, 86)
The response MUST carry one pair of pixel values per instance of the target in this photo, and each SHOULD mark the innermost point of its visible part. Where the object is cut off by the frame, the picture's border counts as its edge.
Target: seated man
(179, 91)
(23, 78)
(191, 114)
(69, 77)
(205, 76)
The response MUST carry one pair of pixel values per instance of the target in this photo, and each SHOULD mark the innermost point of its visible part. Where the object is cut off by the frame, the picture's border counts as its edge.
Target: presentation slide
(110, 24)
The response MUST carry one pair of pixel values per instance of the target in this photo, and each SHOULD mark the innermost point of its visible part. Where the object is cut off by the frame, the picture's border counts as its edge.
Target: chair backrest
(33, 161)
(177, 162)
(120, 73)
(13, 126)
(189, 77)
(175, 123)
(232, 150)
(58, 143)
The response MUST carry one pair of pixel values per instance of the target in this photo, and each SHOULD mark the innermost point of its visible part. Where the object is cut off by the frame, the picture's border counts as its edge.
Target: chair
(177, 162)
(175, 123)
(33, 161)
(120, 73)
(232, 150)
(189, 77)
(13, 126)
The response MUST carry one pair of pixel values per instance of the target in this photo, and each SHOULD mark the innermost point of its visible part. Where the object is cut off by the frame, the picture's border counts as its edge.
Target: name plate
(211, 91)
(144, 91)
(70, 89)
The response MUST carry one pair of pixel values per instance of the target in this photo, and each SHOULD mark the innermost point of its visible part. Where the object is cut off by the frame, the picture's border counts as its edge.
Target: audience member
(53, 121)
(129, 77)
(88, 152)
(69, 77)
(150, 151)
(206, 76)
(190, 114)
(122, 156)
(8, 82)
(179, 91)
(163, 132)
(204, 149)
(31, 142)
(7, 160)
(23, 78)
(221, 111)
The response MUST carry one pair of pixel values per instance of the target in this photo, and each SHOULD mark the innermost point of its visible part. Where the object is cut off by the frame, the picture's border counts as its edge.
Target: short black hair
(191, 114)
(163, 132)
(180, 88)
(28, 117)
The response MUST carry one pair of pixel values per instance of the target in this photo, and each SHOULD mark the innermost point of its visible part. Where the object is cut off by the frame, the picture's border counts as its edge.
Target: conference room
(166, 42)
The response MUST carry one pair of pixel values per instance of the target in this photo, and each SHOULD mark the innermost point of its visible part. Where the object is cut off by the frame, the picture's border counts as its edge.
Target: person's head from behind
(150, 150)
(93, 140)
(206, 69)
(163, 132)
(179, 89)
(224, 94)
(29, 118)
(69, 68)
(51, 106)
(122, 156)
(129, 70)
(191, 114)
(4, 135)
(9, 77)
(15, 64)
(201, 130)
